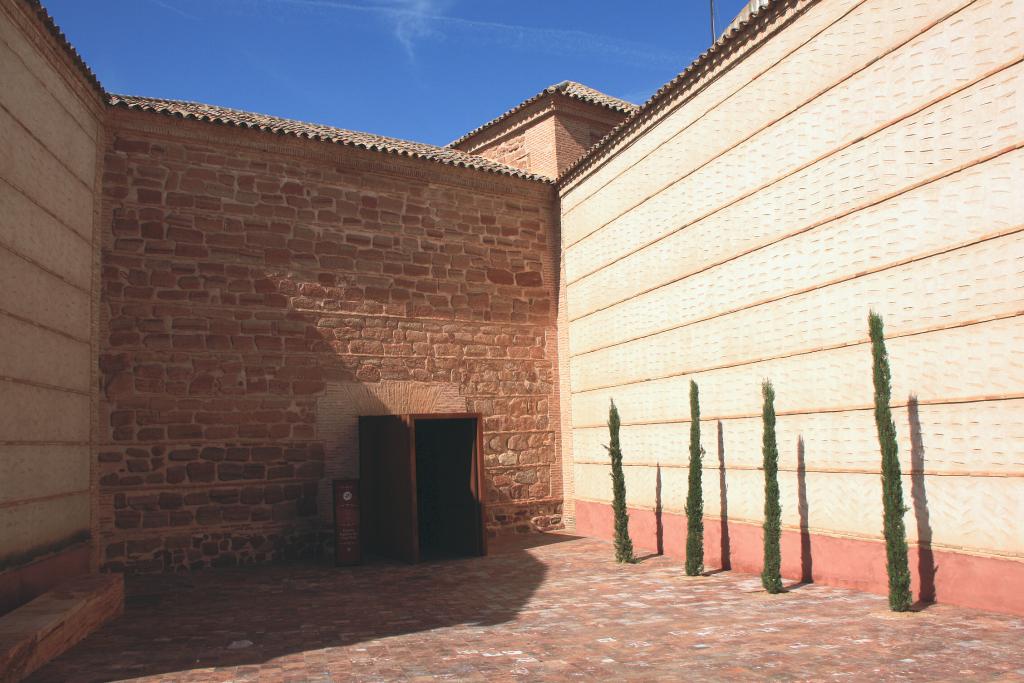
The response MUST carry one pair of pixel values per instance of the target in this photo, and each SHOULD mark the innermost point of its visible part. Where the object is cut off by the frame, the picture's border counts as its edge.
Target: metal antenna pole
(714, 33)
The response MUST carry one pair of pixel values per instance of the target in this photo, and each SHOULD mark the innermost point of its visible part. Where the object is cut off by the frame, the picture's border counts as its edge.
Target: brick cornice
(351, 158)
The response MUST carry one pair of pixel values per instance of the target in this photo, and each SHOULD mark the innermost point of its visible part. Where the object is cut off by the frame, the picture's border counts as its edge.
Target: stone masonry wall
(525, 140)
(244, 275)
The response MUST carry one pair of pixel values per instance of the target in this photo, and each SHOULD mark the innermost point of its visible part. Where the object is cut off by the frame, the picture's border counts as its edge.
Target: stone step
(54, 622)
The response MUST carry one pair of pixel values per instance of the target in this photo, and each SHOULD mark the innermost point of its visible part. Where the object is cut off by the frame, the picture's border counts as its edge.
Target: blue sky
(426, 70)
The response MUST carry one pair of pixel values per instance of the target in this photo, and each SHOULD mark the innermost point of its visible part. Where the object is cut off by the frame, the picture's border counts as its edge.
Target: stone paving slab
(539, 608)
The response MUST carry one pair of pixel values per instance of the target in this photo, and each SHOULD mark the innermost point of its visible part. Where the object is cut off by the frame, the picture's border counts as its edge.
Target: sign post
(346, 522)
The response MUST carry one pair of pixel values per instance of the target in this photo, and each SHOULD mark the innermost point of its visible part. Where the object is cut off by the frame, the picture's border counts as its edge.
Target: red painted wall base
(22, 584)
(941, 576)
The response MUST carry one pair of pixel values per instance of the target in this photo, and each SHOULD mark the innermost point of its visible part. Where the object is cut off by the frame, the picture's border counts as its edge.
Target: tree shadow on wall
(803, 508)
(659, 526)
(240, 617)
(926, 567)
(723, 494)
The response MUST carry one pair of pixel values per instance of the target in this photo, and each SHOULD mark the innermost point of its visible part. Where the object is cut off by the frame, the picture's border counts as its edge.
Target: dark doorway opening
(449, 516)
(421, 486)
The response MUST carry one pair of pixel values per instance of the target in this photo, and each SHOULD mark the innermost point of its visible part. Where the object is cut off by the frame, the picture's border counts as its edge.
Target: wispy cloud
(174, 8)
(412, 20)
(415, 21)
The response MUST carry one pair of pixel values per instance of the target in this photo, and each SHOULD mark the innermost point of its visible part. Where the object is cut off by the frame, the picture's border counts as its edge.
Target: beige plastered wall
(50, 130)
(844, 156)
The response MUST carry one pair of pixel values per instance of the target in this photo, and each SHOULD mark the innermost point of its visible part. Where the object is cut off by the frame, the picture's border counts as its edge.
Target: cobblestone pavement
(542, 608)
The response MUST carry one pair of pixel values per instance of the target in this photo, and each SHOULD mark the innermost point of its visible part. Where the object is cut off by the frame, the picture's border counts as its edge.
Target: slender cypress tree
(623, 544)
(771, 578)
(694, 495)
(897, 564)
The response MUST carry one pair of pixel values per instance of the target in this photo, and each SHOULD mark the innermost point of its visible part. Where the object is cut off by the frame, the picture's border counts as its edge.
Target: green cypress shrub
(897, 563)
(623, 544)
(771, 578)
(694, 494)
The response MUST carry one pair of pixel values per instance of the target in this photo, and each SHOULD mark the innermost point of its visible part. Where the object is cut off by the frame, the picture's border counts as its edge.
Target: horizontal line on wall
(203, 443)
(310, 271)
(937, 252)
(800, 292)
(841, 80)
(46, 269)
(520, 466)
(811, 351)
(395, 229)
(249, 308)
(960, 87)
(17, 188)
(495, 432)
(976, 552)
(709, 421)
(496, 397)
(43, 442)
(43, 385)
(430, 172)
(327, 353)
(41, 499)
(113, 534)
(108, 491)
(60, 161)
(825, 283)
(460, 321)
(813, 470)
(522, 501)
(818, 411)
(87, 105)
(115, 403)
(689, 97)
(35, 323)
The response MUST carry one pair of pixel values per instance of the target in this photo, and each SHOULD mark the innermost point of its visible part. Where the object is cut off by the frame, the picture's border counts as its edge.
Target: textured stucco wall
(50, 129)
(847, 155)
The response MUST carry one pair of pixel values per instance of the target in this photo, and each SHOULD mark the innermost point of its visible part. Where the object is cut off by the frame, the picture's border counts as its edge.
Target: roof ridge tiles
(573, 89)
(282, 126)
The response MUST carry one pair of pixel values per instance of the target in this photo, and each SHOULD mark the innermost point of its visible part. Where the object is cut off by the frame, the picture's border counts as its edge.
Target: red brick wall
(244, 274)
(546, 137)
(576, 131)
(526, 140)
(516, 150)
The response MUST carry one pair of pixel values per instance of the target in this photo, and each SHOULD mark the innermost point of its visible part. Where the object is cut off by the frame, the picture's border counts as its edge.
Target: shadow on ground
(236, 617)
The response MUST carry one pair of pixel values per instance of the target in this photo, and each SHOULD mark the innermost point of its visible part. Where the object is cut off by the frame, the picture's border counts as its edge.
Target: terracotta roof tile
(272, 124)
(750, 16)
(576, 91)
(587, 94)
